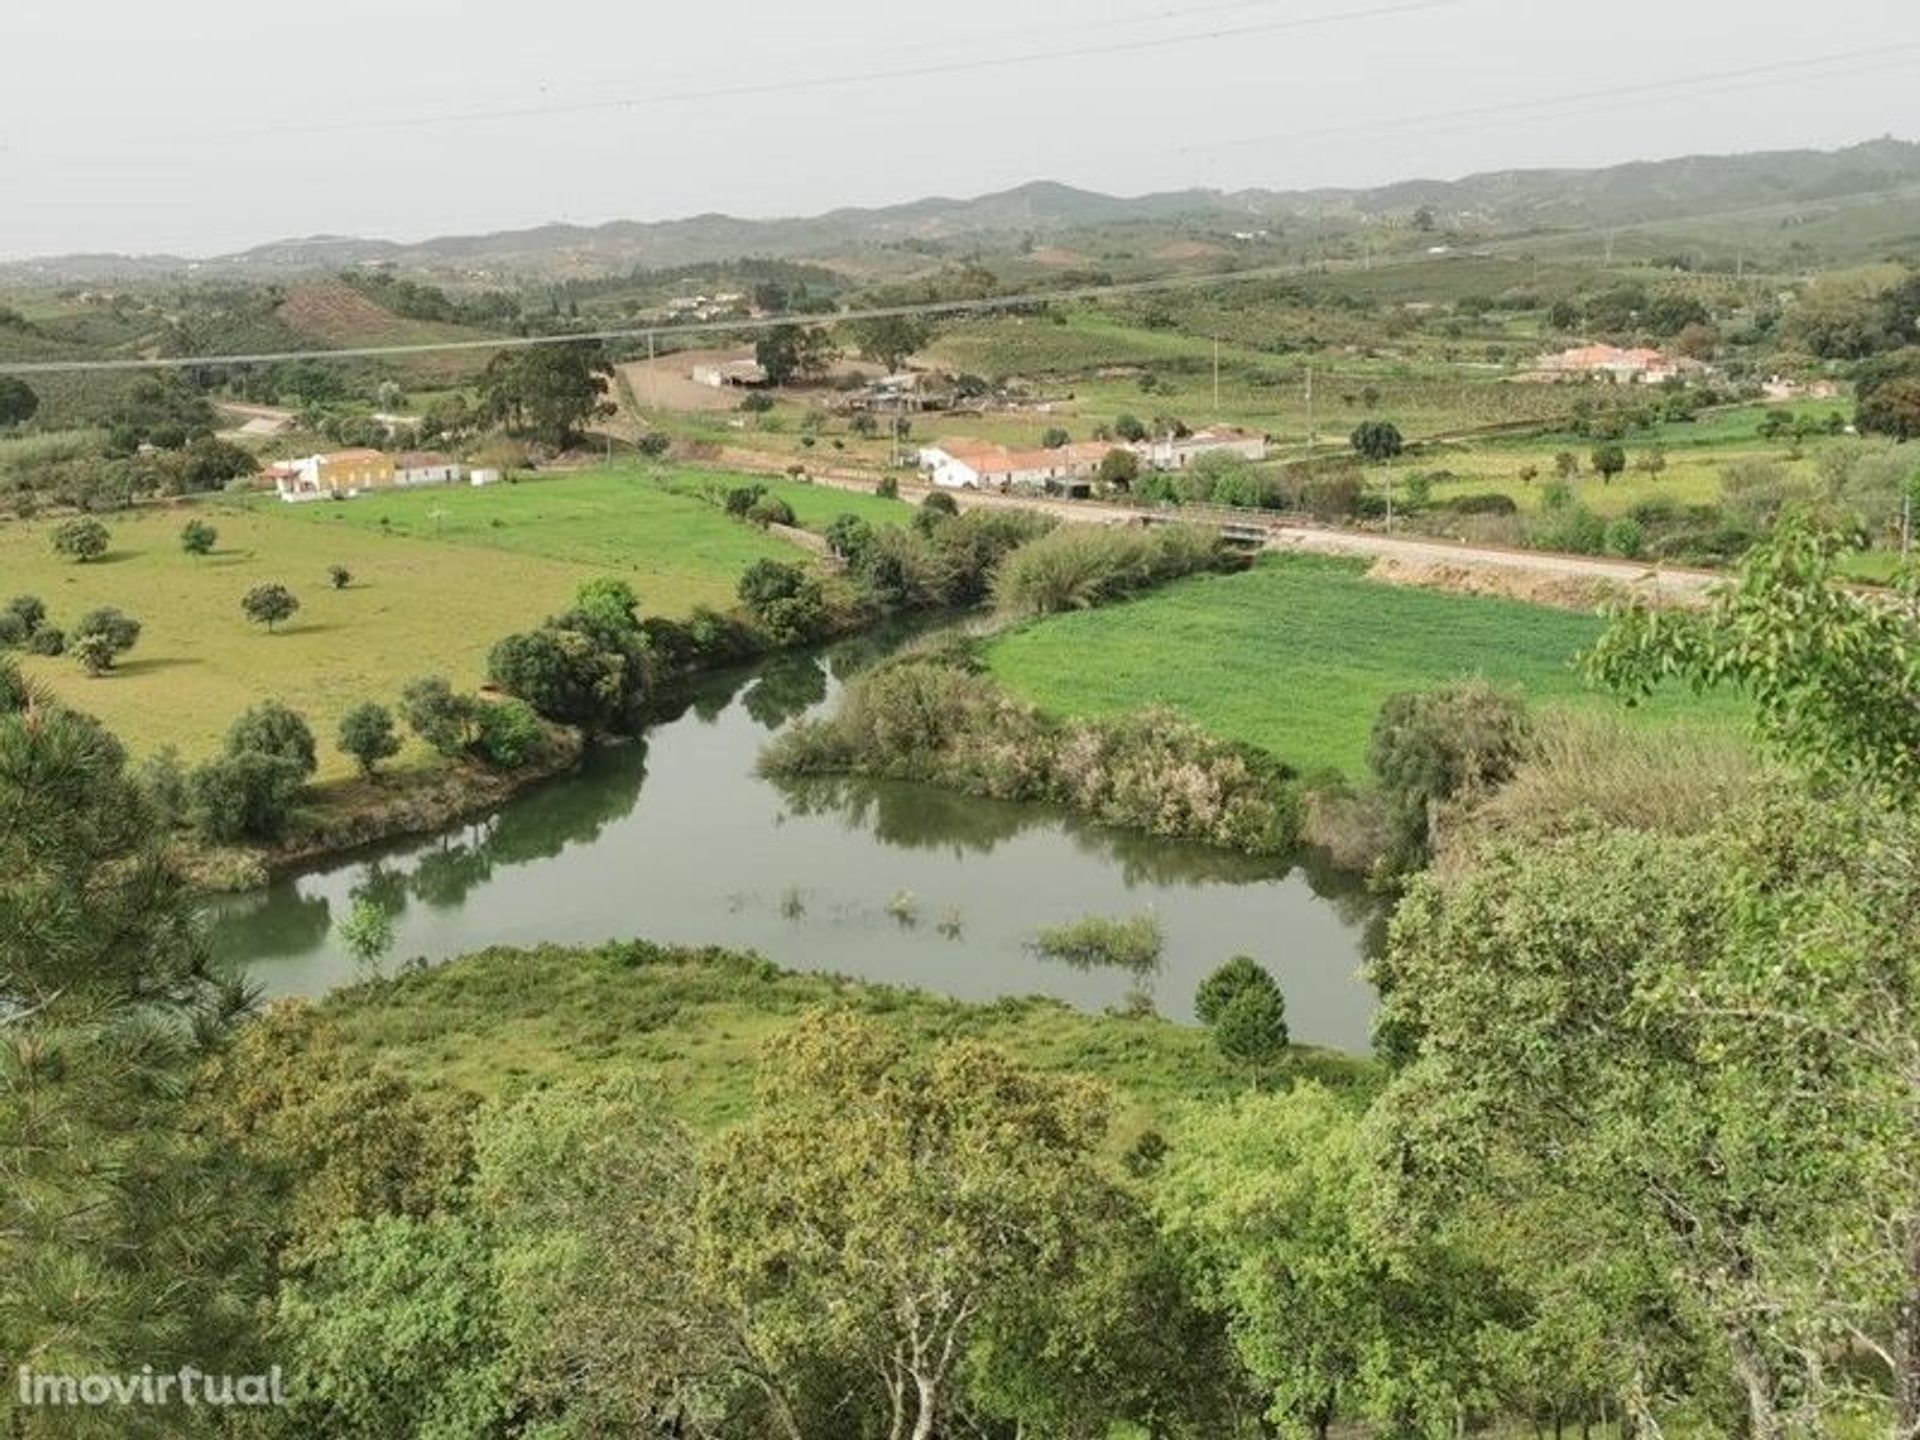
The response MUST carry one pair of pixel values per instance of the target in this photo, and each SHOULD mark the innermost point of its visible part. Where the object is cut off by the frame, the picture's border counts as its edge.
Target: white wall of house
(448, 474)
(949, 472)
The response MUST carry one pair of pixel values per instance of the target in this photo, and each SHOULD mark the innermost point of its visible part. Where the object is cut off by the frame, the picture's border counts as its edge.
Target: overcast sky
(219, 124)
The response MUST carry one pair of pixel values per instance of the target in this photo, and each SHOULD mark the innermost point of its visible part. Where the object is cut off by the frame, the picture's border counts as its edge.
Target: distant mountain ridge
(1635, 193)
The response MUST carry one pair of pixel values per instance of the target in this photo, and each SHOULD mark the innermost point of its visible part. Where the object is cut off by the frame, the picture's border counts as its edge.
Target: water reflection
(679, 840)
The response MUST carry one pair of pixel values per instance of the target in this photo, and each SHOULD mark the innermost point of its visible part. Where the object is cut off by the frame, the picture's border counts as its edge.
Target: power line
(800, 83)
(982, 304)
(1880, 54)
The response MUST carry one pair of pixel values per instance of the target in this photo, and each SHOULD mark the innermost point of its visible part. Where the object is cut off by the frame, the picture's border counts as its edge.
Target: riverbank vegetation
(933, 716)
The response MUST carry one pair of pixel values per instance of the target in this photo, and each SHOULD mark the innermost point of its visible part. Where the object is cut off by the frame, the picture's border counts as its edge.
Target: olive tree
(269, 605)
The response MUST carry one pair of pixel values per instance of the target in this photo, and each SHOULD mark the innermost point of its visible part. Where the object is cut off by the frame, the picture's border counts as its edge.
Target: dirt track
(1575, 579)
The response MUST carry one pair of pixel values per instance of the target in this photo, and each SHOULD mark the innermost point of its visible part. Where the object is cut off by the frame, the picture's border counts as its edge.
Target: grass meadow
(695, 1023)
(1296, 655)
(438, 576)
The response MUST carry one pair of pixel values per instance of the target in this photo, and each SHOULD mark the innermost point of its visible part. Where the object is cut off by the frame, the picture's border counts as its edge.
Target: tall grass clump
(1134, 943)
(1582, 770)
(1079, 567)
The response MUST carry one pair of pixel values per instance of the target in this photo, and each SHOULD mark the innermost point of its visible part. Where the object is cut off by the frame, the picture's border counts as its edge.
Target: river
(674, 838)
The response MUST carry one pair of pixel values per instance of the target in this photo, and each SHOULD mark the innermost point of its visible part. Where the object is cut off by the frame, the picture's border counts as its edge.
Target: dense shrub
(511, 735)
(1430, 748)
(1077, 567)
(245, 796)
(770, 510)
(1493, 503)
(271, 728)
(934, 718)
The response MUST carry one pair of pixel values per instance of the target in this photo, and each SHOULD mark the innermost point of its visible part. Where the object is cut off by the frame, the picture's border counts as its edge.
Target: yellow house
(353, 470)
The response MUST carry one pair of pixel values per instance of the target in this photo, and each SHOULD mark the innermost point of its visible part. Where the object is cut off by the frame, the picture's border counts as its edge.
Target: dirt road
(1405, 557)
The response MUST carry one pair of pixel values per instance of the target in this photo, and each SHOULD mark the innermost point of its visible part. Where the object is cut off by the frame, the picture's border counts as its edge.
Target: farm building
(342, 473)
(1636, 366)
(981, 465)
(1177, 452)
(426, 468)
(739, 374)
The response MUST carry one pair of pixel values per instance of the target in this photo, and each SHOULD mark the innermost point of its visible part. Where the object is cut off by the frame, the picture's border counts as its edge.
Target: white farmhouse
(1178, 452)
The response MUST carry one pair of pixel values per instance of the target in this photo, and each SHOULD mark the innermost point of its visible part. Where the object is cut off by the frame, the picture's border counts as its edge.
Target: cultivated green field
(421, 602)
(1296, 656)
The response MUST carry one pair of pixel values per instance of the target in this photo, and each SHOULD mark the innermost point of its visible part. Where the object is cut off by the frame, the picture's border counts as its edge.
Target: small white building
(483, 477)
(1178, 452)
(742, 374)
(426, 468)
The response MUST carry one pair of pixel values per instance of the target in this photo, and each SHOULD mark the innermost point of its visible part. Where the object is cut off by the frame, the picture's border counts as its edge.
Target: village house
(1177, 452)
(342, 473)
(426, 467)
(982, 465)
(1638, 366)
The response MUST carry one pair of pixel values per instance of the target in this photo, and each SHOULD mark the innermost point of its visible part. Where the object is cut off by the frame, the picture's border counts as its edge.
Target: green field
(695, 1023)
(439, 576)
(1296, 656)
(625, 518)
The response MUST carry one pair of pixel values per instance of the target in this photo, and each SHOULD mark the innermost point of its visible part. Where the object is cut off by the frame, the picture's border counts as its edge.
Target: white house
(426, 468)
(980, 464)
(1177, 452)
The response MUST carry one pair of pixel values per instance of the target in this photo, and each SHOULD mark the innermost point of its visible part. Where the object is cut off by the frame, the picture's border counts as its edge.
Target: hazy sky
(219, 124)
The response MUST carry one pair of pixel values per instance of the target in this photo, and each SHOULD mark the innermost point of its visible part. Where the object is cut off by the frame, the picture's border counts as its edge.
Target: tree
(1119, 469)
(275, 729)
(81, 539)
(269, 605)
(1055, 438)
(587, 667)
(1430, 748)
(1268, 1201)
(18, 403)
(510, 734)
(101, 637)
(1242, 1005)
(244, 796)
(794, 352)
(590, 1191)
(785, 599)
(849, 537)
(1833, 675)
(426, 1281)
(438, 716)
(1129, 429)
(1608, 461)
(1377, 441)
(1891, 407)
(1553, 1079)
(549, 391)
(197, 537)
(339, 576)
(880, 1203)
(122, 1228)
(29, 610)
(890, 340)
(367, 734)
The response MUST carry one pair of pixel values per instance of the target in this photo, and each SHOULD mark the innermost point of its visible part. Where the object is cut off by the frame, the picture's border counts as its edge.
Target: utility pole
(1310, 435)
(1216, 377)
(652, 401)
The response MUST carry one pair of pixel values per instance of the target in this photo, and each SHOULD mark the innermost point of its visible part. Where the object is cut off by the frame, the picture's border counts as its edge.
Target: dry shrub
(1584, 770)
